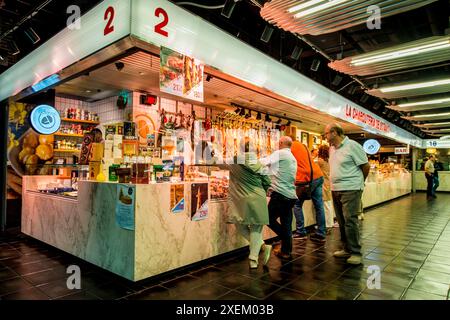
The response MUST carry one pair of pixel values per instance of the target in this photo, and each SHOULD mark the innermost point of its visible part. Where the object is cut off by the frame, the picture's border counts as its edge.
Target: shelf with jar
(75, 130)
(79, 115)
(66, 146)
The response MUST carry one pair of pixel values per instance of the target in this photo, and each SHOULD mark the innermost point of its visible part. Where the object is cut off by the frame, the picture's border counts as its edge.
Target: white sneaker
(253, 264)
(342, 254)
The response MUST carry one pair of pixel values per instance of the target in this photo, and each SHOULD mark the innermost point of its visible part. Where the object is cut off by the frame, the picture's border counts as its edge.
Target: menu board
(181, 75)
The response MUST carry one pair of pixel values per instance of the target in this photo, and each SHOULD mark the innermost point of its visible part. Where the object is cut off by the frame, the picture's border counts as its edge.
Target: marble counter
(444, 181)
(161, 241)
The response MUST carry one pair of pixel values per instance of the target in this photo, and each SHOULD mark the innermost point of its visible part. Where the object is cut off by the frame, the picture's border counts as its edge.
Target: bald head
(285, 142)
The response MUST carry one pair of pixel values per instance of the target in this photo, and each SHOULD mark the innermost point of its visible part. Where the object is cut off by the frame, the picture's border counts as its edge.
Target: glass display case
(381, 172)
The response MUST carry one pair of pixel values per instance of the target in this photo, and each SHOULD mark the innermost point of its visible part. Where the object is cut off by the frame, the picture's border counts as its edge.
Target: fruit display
(33, 151)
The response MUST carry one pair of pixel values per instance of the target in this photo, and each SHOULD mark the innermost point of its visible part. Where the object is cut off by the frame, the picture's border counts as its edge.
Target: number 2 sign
(109, 14)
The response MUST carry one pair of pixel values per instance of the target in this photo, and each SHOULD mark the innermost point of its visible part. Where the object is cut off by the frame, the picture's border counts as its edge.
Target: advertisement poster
(181, 75)
(145, 129)
(125, 206)
(219, 183)
(199, 201)
(177, 198)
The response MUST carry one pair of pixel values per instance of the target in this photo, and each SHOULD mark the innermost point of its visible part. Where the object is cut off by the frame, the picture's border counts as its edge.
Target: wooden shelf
(67, 150)
(80, 121)
(69, 135)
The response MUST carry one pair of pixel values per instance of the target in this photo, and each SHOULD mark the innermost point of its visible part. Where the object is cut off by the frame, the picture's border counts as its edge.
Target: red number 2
(109, 15)
(159, 27)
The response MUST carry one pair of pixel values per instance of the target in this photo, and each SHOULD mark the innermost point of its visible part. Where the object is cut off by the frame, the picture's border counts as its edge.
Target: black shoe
(282, 255)
(317, 238)
(434, 196)
(299, 236)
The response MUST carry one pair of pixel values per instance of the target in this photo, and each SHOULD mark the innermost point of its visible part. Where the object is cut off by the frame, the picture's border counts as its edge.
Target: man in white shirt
(281, 166)
(429, 175)
(349, 169)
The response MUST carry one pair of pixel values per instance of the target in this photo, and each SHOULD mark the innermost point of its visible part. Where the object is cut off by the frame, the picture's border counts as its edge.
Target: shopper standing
(438, 166)
(429, 175)
(282, 166)
(248, 204)
(324, 166)
(349, 168)
(308, 172)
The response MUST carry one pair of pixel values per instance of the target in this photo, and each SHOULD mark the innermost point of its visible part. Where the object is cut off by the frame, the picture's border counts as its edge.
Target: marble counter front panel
(444, 181)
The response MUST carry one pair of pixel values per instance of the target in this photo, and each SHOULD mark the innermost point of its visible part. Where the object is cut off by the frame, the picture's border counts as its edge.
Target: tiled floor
(407, 239)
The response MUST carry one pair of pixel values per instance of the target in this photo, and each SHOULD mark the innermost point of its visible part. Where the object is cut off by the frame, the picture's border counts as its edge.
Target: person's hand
(14, 184)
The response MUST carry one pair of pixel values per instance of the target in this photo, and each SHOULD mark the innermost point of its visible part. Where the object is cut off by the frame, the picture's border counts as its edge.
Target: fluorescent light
(318, 8)
(402, 53)
(304, 5)
(423, 103)
(436, 124)
(416, 85)
(432, 115)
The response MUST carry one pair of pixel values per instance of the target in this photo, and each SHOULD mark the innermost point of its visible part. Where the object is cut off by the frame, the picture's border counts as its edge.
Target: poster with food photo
(199, 201)
(219, 182)
(181, 75)
(177, 198)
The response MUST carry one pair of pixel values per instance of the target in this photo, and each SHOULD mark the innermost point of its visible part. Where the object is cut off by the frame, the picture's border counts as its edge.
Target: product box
(94, 170)
(129, 129)
(96, 153)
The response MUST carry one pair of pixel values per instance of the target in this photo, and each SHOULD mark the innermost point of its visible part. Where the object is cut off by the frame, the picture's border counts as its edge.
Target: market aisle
(408, 239)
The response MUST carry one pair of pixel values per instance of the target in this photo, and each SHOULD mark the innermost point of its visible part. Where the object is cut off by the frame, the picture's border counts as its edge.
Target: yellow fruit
(31, 140)
(46, 139)
(31, 163)
(44, 152)
(25, 151)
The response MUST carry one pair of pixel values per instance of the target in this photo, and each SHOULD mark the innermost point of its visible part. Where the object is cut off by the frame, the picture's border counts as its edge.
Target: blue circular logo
(371, 146)
(45, 119)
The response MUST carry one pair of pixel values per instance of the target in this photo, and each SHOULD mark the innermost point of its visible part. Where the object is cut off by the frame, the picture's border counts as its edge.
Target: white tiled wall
(62, 104)
(108, 111)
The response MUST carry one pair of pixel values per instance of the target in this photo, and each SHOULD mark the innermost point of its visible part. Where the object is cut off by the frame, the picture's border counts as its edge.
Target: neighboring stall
(172, 99)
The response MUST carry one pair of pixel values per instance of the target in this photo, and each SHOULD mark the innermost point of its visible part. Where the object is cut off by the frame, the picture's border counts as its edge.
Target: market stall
(144, 194)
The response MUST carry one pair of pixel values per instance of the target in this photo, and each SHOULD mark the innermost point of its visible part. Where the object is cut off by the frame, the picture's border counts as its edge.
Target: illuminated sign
(53, 79)
(371, 146)
(361, 116)
(402, 150)
(45, 119)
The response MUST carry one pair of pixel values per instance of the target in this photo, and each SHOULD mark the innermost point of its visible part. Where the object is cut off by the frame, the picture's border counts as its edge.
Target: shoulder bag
(304, 189)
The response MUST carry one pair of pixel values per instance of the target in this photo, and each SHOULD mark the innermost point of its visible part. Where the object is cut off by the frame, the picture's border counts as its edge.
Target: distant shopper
(349, 168)
(308, 172)
(323, 157)
(248, 204)
(438, 166)
(314, 154)
(282, 166)
(429, 175)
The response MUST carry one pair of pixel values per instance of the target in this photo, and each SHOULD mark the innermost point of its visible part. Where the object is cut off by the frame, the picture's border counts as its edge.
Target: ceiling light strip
(424, 103)
(413, 86)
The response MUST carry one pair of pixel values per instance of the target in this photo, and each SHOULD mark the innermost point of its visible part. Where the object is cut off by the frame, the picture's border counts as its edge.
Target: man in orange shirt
(305, 163)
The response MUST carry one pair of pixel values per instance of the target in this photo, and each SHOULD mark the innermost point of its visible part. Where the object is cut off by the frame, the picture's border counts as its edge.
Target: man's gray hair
(336, 127)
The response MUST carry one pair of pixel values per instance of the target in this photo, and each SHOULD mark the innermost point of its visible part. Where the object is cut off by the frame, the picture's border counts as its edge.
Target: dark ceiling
(247, 24)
